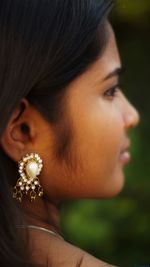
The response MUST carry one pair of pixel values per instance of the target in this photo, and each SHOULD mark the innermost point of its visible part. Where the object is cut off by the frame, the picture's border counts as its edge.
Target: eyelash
(112, 91)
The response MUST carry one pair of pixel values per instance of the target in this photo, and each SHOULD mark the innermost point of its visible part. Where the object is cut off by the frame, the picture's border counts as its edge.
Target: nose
(132, 116)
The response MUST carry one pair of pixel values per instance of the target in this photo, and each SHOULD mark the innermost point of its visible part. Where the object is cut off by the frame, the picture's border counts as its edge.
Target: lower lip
(125, 157)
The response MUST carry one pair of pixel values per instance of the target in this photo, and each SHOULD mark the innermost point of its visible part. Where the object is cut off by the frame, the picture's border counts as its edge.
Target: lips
(125, 155)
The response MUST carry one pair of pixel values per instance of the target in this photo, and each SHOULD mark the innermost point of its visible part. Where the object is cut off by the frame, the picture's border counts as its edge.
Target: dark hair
(44, 45)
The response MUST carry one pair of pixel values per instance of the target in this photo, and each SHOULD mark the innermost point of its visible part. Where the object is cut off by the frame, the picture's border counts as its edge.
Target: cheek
(99, 134)
(100, 130)
(100, 141)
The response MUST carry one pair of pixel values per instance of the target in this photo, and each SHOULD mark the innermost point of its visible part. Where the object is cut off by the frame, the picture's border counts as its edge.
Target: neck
(43, 213)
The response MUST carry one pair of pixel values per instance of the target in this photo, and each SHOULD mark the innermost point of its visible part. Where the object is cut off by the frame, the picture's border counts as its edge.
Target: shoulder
(63, 254)
(60, 253)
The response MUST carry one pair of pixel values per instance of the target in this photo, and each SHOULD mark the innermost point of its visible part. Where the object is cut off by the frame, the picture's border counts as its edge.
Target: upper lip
(126, 146)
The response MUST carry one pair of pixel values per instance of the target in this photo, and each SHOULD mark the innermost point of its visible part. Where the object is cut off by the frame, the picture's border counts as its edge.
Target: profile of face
(93, 132)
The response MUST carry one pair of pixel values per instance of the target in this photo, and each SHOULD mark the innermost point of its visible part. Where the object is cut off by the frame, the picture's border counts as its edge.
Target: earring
(28, 184)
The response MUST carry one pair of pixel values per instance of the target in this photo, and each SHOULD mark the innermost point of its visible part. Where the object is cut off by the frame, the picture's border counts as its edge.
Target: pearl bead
(33, 187)
(32, 169)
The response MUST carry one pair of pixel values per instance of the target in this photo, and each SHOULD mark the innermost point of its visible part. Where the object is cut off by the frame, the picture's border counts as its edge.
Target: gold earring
(29, 167)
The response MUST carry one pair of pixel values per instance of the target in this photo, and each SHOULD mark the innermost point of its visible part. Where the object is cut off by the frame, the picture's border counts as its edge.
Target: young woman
(64, 120)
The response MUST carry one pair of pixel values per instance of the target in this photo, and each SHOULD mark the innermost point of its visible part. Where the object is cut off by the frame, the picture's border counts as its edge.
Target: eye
(112, 92)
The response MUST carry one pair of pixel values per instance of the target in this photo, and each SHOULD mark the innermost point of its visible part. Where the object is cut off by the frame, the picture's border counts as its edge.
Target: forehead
(109, 60)
(101, 68)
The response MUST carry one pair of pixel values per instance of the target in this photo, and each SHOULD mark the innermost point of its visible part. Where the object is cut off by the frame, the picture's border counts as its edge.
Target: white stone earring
(30, 167)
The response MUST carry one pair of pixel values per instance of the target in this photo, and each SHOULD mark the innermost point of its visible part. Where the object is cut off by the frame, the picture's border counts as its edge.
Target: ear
(19, 133)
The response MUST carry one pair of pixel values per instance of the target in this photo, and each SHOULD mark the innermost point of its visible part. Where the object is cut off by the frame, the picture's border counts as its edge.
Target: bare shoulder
(54, 252)
(69, 255)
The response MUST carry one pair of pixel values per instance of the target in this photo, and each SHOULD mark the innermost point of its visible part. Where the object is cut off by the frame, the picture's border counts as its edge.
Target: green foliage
(117, 230)
(132, 11)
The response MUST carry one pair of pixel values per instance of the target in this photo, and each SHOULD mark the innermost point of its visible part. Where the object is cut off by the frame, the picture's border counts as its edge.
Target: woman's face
(98, 119)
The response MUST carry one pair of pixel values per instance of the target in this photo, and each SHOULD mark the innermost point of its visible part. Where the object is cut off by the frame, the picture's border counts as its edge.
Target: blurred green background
(117, 230)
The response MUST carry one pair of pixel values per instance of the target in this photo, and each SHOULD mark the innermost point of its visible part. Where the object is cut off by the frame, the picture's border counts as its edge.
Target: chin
(114, 193)
(114, 187)
(117, 187)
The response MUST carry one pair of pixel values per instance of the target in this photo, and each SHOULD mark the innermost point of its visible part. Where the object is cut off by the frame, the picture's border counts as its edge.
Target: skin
(91, 168)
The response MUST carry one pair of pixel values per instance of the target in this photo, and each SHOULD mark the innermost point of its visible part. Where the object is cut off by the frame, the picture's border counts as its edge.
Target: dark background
(118, 230)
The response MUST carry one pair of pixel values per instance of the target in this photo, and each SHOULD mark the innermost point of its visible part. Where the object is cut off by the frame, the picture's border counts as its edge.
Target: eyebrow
(116, 72)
